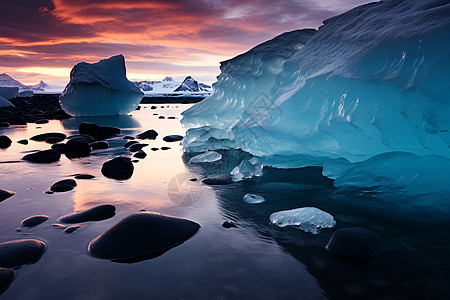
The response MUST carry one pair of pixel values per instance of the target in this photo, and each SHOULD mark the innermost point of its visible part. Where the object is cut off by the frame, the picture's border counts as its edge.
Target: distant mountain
(8, 81)
(41, 86)
(168, 85)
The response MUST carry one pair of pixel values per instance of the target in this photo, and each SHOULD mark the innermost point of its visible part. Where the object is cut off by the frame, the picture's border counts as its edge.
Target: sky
(44, 39)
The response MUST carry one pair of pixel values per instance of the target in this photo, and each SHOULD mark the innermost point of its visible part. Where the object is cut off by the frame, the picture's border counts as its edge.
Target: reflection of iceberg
(122, 122)
(370, 81)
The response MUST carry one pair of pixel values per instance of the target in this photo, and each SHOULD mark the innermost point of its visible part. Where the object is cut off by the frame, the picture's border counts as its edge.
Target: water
(253, 261)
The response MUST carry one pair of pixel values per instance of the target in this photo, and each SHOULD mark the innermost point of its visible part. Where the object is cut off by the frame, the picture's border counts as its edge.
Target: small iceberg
(210, 156)
(247, 169)
(308, 219)
(253, 199)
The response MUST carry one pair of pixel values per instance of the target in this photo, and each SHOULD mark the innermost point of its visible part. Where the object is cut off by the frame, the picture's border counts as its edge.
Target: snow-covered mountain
(41, 87)
(169, 86)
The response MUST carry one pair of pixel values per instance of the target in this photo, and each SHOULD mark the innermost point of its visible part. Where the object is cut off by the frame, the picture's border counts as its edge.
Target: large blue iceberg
(370, 81)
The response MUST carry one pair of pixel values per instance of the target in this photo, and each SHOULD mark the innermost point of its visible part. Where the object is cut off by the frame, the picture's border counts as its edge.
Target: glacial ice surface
(370, 81)
(5, 103)
(308, 219)
(210, 156)
(100, 89)
(248, 168)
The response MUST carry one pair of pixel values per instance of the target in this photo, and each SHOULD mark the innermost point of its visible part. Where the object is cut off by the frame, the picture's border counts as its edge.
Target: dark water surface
(253, 261)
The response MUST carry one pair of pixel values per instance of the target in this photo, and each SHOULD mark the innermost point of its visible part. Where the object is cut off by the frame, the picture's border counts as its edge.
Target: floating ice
(100, 89)
(370, 81)
(247, 169)
(308, 219)
(5, 103)
(253, 199)
(8, 92)
(209, 156)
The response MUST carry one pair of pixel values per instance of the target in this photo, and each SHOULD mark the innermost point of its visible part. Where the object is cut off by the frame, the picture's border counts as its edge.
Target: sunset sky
(43, 39)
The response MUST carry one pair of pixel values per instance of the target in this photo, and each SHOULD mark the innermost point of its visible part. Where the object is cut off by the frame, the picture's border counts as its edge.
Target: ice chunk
(308, 219)
(100, 89)
(5, 103)
(253, 199)
(26, 93)
(247, 169)
(209, 156)
(8, 92)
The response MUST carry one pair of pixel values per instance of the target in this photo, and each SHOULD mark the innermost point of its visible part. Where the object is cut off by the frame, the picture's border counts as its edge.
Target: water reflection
(123, 122)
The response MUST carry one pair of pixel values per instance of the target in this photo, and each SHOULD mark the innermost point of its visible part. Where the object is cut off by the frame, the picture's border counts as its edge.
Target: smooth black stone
(84, 138)
(356, 243)
(98, 132)
(161, 117)
(6, 277)
(96, 213)
(171, 118)
(127, 137)
(84, 176)
(173, 138)
(193, 179)
(154, 149)
(229, 224)
(43, 136)
(63, 186)
(4, 124)
(149, 134)
(53, 140)
(128, 144)
(221, 179)
(41, 121)
(99, 145)
(142, 235)
(140, 154)
(72, 229)
(34, 220)
(23, 142)
(118, 168)
(165, 148)
(76, 148)
(153, 107)
(4, 194)
(138, 108)
(5, 142)
(20, 252)
(46, 156)
(60, 147)
(137, 147)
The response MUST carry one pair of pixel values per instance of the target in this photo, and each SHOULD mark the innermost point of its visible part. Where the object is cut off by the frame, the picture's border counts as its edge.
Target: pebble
(45, 156)
(20, 252)
(118, 168)
(96, 213)
(63, 186)
(34, 220)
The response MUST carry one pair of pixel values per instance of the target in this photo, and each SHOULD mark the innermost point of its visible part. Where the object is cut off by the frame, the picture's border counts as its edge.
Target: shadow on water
(416, 268)
(123, 122)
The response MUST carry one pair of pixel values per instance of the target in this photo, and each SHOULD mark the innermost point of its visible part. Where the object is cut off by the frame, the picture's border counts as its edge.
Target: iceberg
(253, 199)
(5, 103)
(247, 169)
(100, 89)
(210, 156)
(8, 92)
(370, 81)
(308, 219)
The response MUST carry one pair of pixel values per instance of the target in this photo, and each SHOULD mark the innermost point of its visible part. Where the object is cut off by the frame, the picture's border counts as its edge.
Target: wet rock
(171, 118)
(140, 154)
(128, 144)
(6, 277)
(161, 117)
(173, 138)
(61, 147)
(85, 138)
(53, 140)
(41, 121)
(4, 124)
(229, 224)
(23, 142)
(149, 134)
(5, 142)
(98, 132)
(137, 147)
(165, 148)
(154, 149)
(59, 226)
(84, 176)
(99, 145)
(72, 229)
(4, 194)
(221, 179)
(76, 148)
(141, 236)
(128, 137)
(118, 168)
(43, 136)
(63, 186)
(356, 243)
(34, 220)
(153, 107)
(20, 252)
(96, 213)
(45, 156)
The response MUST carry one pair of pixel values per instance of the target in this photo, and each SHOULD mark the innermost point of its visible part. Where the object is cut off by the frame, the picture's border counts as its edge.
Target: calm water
(254, 261)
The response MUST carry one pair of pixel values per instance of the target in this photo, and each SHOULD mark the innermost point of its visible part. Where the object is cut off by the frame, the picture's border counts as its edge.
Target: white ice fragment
(5, 103)
(247, 169)
(209, 156)
(253, 199)
(27, 93)
(100, 89)
(308, 219)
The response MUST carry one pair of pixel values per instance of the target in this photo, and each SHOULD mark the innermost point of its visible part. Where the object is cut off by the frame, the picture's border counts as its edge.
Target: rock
(149, 134)
(85, 138)
(59, 226)
(77, 147)
(153, 107)
(43, 136)
(63, 186)
(72, 229)
(60, 147)
(356, 243)
(171, 118)
(229, 224)
(34, 220)
(53, 140)
(20, 252)
(98, 132)
(84, 176)
(141, 236)
(96, 213)
(137, 147)
(4, 124)
(99, 145)
(41, 121)
(165, 148)
(140, 154)
(128, 144)
(118, 168)
(6, 277)
(127, 137)
(161, 117)
(154, 149)
(221, 179)
(45, 156)
(4, 194)
(23, 142)
(5, 142)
